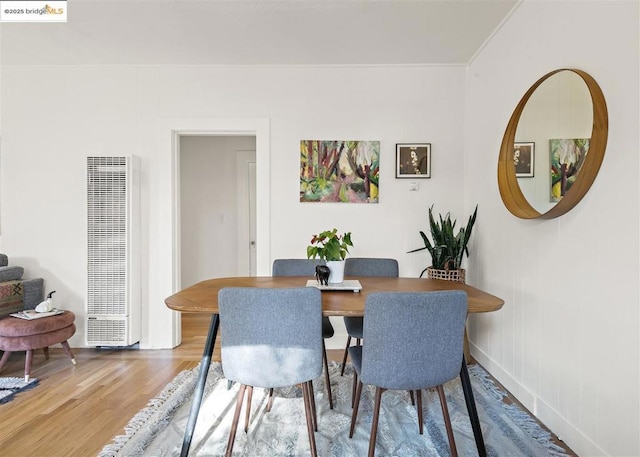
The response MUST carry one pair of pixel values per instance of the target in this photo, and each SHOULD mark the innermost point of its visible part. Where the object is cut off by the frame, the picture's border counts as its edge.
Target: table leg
(471, 408)
(202, 379)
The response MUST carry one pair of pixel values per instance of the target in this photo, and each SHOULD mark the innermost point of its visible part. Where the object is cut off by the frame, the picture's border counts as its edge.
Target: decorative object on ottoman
(332, 248)
(46, 305)
(29, 335)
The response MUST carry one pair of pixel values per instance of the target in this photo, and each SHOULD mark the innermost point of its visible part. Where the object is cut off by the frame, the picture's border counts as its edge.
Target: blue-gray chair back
(370, 266)
(307, 267)
(413, 339)
(364, 266)
(271, 337)
(295, 267)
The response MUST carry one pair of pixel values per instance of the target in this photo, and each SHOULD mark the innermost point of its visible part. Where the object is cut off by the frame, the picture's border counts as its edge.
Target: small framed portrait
(524, 155)
(413, 160)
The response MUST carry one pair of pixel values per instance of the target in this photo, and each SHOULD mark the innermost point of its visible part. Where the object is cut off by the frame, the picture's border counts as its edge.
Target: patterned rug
(9, 387)
(157, 430)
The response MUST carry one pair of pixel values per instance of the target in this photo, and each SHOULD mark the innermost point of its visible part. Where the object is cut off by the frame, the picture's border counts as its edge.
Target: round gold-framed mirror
(586, 160)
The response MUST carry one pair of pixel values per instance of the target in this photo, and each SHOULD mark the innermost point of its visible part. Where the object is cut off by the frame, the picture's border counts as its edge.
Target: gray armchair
(31, 293)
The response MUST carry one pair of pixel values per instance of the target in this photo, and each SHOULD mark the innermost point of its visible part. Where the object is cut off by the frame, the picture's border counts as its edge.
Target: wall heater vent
(113, 264)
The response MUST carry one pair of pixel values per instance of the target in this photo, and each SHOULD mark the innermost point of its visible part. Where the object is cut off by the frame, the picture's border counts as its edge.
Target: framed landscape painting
(567, 157)
(342, 171)
(413, 160)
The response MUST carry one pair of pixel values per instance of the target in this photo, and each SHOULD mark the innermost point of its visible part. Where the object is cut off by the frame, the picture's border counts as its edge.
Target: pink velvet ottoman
(28, 335)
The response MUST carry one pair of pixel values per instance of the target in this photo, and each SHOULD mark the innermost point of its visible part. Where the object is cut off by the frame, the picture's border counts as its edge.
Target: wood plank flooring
(75, 411)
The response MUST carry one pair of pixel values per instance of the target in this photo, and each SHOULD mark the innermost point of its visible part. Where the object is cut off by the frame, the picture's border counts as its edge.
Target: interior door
(251, 172)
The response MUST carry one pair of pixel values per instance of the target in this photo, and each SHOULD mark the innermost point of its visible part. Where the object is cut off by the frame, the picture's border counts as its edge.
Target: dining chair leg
(344, 358)
(270, 402)
(420, 421)
(247, 412)
(447, 420)
(307, 409)
(353, 387)
(354, 413)
(326, 374)
(374, 424)
(413, 400)
(313, 406)
(234, 423)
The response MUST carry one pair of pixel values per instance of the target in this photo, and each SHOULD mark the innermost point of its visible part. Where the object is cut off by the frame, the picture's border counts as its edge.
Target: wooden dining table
(203, 298)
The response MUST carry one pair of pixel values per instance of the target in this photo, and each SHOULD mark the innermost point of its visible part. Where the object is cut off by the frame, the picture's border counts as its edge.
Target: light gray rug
(158, 429)
(9, 387)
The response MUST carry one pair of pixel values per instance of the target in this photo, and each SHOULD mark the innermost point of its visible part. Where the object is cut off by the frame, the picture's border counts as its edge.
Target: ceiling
(257, 32)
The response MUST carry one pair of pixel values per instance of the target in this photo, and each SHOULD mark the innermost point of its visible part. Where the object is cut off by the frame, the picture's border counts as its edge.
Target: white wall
(101, 110)
(566, 342)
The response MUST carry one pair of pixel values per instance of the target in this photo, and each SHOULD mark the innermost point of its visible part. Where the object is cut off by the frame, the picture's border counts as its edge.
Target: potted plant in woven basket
(332, 248)
(446, 247)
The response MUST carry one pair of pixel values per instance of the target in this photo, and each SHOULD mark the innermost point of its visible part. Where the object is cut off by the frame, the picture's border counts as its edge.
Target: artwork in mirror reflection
(523, 159)
(339, 171)
(566, 157)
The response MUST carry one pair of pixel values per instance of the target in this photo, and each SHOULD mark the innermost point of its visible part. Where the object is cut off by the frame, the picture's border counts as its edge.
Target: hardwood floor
(75, 411)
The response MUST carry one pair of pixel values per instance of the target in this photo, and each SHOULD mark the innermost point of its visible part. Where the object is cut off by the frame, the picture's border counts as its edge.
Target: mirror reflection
(553, 145)
(552, 139)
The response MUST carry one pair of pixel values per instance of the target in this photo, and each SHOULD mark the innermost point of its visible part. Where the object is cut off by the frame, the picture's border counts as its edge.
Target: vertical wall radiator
(113, 258)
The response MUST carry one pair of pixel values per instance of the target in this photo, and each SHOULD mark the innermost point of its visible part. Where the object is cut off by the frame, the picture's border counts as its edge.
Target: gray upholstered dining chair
(413, 342)
(364, 266)
(307, 267)
(271, 338)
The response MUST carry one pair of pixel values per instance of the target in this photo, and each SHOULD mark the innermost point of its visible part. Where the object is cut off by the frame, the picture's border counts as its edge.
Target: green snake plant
(446, 246)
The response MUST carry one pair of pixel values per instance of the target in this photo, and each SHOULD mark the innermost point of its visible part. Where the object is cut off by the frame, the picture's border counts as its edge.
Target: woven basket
(447, 275)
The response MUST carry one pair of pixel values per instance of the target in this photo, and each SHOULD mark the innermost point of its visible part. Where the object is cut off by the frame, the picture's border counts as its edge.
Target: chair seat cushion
(13, 327)
(354, 326)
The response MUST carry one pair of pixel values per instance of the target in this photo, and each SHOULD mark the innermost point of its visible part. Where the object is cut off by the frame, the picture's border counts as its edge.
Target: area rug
(157, 430)
(9, 387)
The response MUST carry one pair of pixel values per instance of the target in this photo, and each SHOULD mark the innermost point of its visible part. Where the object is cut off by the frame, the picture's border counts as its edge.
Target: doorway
(217, 207)
(217, 219)
(164, 324)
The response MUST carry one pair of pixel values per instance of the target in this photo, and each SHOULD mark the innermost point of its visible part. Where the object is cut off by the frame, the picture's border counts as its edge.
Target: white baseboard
(567, 432)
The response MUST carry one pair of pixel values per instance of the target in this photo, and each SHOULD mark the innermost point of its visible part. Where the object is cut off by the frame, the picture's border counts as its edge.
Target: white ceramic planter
(336, 268)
